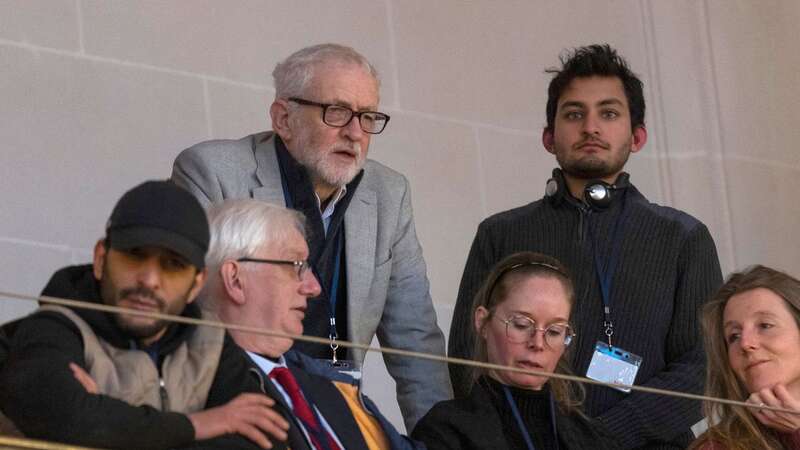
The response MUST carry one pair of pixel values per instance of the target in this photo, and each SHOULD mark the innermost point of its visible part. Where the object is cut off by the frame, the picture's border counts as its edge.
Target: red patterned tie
(302, 410)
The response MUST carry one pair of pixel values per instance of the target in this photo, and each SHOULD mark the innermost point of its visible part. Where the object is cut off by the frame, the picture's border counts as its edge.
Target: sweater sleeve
(640, 417)
(461, 341)
(42, 397)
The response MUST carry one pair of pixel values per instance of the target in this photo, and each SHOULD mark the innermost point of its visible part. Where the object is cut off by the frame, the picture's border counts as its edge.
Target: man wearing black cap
(124, 381)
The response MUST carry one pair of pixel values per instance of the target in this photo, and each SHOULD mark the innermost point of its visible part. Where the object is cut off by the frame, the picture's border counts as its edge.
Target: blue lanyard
(334, 291)
(332, 296)
(606, 277)
(522, 428)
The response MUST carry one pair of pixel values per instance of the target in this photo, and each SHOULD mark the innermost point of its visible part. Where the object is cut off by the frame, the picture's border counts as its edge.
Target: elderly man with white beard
(362, 240)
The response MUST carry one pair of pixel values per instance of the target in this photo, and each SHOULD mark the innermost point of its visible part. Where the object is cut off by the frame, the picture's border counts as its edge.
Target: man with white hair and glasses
(259, 277)
(363, 244)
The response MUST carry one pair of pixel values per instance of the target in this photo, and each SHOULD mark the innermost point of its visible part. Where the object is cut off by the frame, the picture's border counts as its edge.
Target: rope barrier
(387, 350)
(12, 443)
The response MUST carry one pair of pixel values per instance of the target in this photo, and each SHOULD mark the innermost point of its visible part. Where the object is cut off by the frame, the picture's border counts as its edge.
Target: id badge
(343, 366)
(613, 365)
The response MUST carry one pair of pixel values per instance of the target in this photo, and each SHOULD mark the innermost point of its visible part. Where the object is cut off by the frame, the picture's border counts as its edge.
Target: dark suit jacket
(330, 404)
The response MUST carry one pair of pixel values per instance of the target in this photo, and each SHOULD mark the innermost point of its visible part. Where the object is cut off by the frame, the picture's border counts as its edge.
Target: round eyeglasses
(372, 122)
(522, 329)
(300, 266)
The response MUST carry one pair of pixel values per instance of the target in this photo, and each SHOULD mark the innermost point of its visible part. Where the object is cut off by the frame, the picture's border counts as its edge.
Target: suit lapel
(296, 440)
(333, 408)
(268, 173)
(360, 230)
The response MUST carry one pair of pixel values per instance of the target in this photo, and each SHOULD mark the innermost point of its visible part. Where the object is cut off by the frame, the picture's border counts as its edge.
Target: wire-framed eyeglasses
(301, 267)
(522, 329)
(372, 122)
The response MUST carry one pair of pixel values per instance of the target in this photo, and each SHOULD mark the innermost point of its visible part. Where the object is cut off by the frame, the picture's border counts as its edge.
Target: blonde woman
(752, 338)
(521, 318)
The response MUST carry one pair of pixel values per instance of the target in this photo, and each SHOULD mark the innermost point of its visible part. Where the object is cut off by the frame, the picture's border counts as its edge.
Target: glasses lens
(373, 122)
(337, 116)
(556, 335)
(302, 267)
(519, 329)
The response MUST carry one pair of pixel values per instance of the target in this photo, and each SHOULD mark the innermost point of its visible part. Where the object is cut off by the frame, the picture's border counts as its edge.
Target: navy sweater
(667, 268)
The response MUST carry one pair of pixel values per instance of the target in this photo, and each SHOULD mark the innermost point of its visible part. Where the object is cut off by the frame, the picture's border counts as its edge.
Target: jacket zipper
(162, 388)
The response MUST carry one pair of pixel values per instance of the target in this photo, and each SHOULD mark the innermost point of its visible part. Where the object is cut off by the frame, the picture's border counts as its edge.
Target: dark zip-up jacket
(39, 393)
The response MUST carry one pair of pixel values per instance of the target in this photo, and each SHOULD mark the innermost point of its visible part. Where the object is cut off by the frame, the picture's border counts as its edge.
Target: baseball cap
(160, 214)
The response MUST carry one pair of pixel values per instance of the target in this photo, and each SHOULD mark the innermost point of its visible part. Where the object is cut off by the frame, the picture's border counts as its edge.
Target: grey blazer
(387, 286)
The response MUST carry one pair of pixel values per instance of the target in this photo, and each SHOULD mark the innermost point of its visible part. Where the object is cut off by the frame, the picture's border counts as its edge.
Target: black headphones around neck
(597, 194)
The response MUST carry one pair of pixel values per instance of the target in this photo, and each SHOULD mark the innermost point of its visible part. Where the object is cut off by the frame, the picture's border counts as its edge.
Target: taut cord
(391, 351)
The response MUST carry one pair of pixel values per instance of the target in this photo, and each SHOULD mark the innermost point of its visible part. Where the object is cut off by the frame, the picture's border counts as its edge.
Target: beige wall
(96, 96)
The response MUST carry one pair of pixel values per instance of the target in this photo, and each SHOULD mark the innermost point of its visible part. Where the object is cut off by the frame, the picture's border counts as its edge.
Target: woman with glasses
(521, 318)
(752, 339)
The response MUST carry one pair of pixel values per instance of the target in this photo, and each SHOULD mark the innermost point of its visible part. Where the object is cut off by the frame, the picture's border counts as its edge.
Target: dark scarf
(322, 252)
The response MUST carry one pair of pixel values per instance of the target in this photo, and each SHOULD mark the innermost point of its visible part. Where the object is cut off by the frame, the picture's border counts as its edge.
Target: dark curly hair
(589, 61)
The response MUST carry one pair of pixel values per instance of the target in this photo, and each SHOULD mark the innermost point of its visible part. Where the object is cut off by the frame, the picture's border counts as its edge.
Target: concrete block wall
(99, 95)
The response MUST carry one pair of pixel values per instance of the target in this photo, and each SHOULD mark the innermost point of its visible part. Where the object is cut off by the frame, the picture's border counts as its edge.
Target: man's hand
(84, 378)
(250, 415)
(777, 396)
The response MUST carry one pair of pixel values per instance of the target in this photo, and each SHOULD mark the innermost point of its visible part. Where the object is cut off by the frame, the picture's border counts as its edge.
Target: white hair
(293, 74)
(239, 228)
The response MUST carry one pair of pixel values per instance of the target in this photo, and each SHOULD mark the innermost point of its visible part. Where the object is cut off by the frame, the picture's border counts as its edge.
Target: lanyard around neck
(521, 424)
(334, 289)
(605, 275)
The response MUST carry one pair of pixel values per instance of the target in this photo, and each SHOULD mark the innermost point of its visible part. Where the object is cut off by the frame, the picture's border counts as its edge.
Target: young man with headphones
(642, 271)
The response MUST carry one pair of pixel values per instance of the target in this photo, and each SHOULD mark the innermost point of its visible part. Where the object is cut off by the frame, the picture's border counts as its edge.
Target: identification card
(613, 365)
(344, 366)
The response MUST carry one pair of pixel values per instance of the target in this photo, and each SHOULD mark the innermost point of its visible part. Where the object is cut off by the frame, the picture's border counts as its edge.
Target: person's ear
(99, 258)
(548, 140)
(279, 114)
(639, 138)
(232, 281)
(481, 315)
(198, 283)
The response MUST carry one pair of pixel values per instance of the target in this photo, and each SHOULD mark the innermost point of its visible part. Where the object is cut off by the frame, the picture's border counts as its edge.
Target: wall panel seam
(131, 64)
(481, 174)
(79, 19)
(661, 141)
(395, 73)
(727, 222)
(37, 244)
(463, 122)
(207, 109)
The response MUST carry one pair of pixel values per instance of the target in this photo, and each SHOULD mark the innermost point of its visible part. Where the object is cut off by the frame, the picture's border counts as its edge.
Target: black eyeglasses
(300, 266)
(372, 122)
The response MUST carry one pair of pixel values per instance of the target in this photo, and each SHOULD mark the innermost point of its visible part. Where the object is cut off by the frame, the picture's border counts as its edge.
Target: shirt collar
(266, 364)
(331, 204)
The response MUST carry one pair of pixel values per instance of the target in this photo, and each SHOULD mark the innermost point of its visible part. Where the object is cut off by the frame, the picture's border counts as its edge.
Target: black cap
(160, 214)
